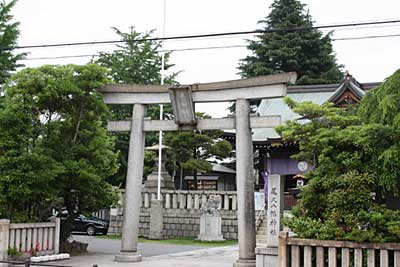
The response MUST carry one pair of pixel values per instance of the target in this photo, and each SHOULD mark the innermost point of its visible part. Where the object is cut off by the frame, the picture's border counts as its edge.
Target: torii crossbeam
(183, 99)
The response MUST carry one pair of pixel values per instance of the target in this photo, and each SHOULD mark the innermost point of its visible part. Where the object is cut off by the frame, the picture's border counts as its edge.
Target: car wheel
(91, 230)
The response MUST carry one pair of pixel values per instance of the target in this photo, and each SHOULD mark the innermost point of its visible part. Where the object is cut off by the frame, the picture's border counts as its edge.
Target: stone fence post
(4, 236)
(156, 219)
(57, 233)
(282, 250)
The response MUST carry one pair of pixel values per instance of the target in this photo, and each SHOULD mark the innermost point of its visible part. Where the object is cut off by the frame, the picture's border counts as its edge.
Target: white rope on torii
(183, 99)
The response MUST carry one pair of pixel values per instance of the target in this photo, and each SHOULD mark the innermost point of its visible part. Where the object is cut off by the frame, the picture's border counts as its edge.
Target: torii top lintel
(269, 86)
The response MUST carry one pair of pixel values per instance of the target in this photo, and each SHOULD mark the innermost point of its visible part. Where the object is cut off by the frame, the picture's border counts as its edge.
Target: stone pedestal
(244, 263)
(267, 256)
(156, 219)
(123, 256)
(210, 228)
(210, 220)
(151, 184)
(152, 180)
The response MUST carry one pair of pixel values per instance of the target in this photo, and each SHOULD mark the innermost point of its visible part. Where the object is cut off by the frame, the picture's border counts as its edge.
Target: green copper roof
(277, 106)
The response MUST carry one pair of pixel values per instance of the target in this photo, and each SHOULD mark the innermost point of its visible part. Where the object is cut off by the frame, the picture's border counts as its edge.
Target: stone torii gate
(183, 99)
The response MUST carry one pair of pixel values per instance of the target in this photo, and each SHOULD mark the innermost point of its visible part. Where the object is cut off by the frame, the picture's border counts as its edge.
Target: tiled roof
(301, 93)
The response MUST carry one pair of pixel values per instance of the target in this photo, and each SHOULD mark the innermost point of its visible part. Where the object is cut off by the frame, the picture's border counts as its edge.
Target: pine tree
(8, 40)
(307, 52)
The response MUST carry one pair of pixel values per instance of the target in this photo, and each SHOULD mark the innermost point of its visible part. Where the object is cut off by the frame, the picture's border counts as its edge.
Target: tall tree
(8, 40)
(55, 150)
(137, 61)
(307, 52)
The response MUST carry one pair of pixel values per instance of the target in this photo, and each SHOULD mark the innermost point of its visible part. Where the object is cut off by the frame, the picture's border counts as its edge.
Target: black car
(83, 224)
(91, 226)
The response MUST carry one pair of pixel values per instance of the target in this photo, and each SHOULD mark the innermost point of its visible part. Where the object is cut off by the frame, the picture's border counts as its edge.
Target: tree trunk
(66, 225)
(78, 124)
(195, 171)
(181, 181)
(195, 179)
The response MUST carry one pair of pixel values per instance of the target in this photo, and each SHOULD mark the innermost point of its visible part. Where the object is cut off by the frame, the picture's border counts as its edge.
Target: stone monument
(268, 256)
(211, 221)
(166, 179)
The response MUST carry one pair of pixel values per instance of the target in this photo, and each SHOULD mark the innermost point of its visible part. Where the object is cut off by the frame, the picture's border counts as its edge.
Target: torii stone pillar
(245, 186)
(183, 99)
(133, 192)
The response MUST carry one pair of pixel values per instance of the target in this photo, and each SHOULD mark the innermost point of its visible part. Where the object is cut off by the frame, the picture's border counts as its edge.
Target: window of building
(202, 185)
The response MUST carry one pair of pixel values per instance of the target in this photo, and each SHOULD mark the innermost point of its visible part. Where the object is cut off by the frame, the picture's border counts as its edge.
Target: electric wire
(366, 37)
(208, 35)
(209, 47)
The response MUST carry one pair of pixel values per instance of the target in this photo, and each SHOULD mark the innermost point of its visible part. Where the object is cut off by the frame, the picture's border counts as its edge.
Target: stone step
(262, 228)
(261, 240)
(262, 232)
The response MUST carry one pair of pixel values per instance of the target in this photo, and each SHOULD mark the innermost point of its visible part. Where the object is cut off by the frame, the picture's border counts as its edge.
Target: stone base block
(245, 263)
(153, 184)
(266, 256)
(128, 257)
(210, 228)
(156, 220)
(209, 238)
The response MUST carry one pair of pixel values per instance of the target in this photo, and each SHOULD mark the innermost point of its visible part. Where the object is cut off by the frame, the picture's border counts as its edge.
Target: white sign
(302, 166)
(259, 200)
(275, 187)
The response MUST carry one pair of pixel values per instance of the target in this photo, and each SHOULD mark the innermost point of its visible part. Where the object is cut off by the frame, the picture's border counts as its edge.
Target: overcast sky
(64, 21)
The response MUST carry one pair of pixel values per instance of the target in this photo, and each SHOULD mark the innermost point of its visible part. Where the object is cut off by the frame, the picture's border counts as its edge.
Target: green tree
(57, 141)
(356, 160)
(381, 105)
(137, 61)
(8, 40)
(307, 52)
(191, 150)
(26, 171)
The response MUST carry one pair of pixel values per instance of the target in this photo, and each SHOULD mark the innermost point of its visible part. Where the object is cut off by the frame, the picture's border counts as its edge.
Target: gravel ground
(109, 246)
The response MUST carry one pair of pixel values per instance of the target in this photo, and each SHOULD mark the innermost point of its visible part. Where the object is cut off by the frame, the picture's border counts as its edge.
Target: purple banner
(284, 166)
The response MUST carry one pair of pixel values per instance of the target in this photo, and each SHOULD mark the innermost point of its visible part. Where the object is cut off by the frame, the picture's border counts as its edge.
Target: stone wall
(144, 223)
(177, 223)
(186, 223)
(116, 223)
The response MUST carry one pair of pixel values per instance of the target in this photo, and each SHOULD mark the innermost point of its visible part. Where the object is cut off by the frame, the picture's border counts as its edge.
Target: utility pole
(161, 105)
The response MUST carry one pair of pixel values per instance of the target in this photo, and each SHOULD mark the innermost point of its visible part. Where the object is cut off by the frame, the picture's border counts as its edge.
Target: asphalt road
(108, 246)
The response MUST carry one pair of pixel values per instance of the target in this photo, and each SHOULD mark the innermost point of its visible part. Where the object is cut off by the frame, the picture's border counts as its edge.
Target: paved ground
(210, 257)
(112, 247)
